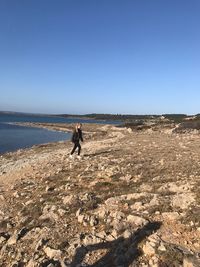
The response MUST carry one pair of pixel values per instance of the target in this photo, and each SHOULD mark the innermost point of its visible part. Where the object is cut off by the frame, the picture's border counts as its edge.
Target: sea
(14, 137)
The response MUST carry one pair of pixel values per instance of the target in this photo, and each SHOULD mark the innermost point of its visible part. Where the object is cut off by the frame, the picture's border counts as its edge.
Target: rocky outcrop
(131, 200)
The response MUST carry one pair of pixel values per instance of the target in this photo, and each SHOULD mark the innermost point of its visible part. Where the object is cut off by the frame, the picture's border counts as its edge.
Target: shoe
(70, 156)
(78, 157)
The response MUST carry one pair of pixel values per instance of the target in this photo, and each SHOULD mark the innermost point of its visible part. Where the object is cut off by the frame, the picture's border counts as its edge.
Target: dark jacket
(77, 135)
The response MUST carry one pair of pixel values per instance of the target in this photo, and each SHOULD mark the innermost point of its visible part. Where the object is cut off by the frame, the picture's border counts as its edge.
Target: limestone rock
(2, 239)
(100, 206)
(148, 249)
(191, 261)
(173, 216)
(183, 201)
(81, 218)
(93, 220)
(162, 247)
(52, 253)
(31, 263)
(16, 236)
(138, 221)
(68, 200)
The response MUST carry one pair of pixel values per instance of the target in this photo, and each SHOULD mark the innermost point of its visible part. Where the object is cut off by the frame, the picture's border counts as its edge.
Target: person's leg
(74, 148)
(79, 149)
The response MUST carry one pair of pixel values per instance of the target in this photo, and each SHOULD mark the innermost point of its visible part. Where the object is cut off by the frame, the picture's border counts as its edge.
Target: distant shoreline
(54, 127)
(47, 126)
(106, 117)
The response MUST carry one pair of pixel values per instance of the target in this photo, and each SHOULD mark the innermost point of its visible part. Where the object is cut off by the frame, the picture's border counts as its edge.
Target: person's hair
(77, 125)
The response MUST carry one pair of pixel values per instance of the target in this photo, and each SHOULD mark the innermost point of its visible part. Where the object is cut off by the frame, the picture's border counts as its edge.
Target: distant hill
(23, 113)
(118, 117)
(129, 117)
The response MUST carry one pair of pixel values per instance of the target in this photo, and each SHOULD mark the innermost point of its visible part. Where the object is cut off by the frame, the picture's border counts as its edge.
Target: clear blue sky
(100, 56)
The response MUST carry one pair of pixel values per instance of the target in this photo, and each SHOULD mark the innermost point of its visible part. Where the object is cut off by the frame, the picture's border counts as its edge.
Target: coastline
(54, 127)
(60, 127)
(30, 138)
(36, 149)
(48, 126)
(124, 180)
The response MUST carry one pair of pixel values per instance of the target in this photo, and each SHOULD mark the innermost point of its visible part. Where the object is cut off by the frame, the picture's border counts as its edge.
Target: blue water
(13, 137)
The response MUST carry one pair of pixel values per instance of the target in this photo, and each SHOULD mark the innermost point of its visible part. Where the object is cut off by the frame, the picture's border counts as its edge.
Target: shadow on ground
(101, 153)
(121, 252)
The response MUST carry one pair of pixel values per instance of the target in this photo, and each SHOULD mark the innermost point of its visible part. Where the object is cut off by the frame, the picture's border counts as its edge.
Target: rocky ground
(133, 199)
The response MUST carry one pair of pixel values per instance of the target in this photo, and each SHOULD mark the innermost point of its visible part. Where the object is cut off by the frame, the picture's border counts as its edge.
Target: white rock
(68, 200)
(148, 249)
(112, 201)
(190, 262)
(13, 239)
(93, 221)
(136, 220)
(2, 197)
(79, 212)
(15, 194)
(117, 215)
(62, 212)
(2, 239)
(31, 263)
(90, 239)
(102, 212)
(80, 218)
(183, 201)
(162, 247)
(137, 206)
(52, 253)
(161, 162)
(129, 130)
(101, 234)
(127, 234)
(29, 202)
(173, 216)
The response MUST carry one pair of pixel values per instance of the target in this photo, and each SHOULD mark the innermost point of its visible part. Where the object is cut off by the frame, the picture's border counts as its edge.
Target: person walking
(76, 137)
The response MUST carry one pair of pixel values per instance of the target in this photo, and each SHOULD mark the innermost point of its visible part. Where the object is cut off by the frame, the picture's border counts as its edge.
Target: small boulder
(138, 221)
(148, 249)
(191, 261)
(52, 253)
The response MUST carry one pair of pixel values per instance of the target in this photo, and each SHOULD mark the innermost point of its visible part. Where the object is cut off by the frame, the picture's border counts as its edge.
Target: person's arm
(73, 137)
(80, 135)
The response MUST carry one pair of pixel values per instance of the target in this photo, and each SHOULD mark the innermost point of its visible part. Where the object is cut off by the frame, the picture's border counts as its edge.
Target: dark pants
(76, 144)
